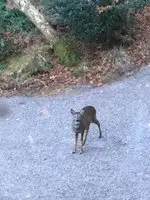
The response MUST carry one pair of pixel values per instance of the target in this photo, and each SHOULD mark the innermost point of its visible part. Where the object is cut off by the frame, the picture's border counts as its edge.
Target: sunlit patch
(149, 124)
(147, 85)
(30, 139)
(28, 196)
(44, 112)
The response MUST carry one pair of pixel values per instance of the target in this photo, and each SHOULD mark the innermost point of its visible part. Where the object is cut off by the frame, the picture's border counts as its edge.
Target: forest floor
(104, 66)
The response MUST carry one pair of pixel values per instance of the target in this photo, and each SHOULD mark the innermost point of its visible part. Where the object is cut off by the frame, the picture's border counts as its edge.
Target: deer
(81, 123)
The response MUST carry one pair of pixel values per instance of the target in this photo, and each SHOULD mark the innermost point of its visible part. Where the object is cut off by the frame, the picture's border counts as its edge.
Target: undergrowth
(65, 51)
(14, 20)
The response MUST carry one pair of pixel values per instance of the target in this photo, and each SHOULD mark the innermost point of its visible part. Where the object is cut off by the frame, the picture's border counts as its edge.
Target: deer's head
(76, 118)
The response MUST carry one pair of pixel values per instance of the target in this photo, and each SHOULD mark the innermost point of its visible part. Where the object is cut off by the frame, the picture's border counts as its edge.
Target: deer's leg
(75, 144)
(95, 121)
(85, 136)
(81, 150)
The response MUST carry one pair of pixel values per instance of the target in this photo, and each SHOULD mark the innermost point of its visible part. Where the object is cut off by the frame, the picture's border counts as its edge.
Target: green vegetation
(87, 24)
(5, 47)
(8, 19)
(64, 50)
(2, 67)
(29, 63)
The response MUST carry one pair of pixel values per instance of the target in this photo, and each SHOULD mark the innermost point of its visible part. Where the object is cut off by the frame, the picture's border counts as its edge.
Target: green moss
(29, 63)
(2, 67)
(65, 51)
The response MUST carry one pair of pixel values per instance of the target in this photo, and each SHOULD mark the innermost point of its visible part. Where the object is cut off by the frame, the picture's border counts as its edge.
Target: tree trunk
(35, 16)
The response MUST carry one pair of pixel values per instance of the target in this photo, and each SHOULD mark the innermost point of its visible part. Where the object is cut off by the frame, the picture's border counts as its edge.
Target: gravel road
(36, 141)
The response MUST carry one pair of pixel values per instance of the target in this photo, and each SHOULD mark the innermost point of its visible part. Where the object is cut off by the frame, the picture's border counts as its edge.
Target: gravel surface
(36, 141)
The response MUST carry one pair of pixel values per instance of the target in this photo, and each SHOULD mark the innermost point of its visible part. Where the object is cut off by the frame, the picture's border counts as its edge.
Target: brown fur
(88, 116)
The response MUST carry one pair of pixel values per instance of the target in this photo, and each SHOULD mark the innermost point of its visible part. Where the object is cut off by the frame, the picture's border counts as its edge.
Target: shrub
(88, 24)
(8, 19)
(6, 47)
(2, 67)
(64, 50)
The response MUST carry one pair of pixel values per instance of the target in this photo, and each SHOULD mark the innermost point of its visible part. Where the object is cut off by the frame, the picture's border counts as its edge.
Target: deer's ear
(72, 111)
(82, 112)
